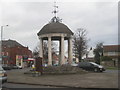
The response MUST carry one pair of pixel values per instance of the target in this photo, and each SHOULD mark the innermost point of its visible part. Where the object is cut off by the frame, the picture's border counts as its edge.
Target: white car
(3, 75)
(19, 67)
(74, 64)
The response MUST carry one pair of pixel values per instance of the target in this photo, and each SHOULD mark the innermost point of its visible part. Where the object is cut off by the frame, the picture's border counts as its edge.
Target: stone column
(70, 56)
(62, 61)
(59, 51)
(41, 48)
(49, 52)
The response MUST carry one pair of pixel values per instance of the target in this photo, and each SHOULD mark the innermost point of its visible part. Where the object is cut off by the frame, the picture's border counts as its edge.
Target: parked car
(91, 66)
(20, 67)
(3, 75)
(74, 64)
(14, 67)
(6, 67)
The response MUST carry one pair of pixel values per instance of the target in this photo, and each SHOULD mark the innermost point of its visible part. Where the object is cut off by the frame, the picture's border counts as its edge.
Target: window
(112, 53)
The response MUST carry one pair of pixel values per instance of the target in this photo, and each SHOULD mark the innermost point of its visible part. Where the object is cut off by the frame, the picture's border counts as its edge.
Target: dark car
(91, 66)
(14, 67)
(6, 67)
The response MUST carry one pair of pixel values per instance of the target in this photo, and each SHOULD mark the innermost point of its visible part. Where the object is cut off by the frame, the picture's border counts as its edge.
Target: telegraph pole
(1, 43)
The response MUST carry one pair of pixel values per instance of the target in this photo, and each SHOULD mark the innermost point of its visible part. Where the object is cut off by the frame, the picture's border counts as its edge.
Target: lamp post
(2, 27)
(100, 56)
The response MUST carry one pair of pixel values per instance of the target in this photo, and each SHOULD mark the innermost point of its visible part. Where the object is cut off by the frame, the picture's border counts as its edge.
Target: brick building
(14, 53)
(112, 51)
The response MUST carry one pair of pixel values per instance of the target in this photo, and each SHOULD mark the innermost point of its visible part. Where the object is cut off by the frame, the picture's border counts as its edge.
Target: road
(20, 70)
(10, 86)
(111, 71)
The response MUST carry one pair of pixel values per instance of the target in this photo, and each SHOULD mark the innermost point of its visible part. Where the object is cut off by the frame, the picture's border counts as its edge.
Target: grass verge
(112, 68)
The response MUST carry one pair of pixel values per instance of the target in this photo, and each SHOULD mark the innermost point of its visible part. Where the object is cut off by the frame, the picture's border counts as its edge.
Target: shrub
(106, 58)
(63, 69)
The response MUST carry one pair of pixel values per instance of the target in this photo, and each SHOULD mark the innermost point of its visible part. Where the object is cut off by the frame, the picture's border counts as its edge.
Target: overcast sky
(25, 19)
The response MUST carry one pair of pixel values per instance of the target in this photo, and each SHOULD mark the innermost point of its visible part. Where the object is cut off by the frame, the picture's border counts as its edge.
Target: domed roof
(55, 27)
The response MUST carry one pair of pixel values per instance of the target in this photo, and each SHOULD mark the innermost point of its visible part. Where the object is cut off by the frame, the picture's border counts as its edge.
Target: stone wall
(109, 63)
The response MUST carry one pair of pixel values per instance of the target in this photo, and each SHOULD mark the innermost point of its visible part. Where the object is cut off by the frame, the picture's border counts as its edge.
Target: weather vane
(55, 18)
(55, 9)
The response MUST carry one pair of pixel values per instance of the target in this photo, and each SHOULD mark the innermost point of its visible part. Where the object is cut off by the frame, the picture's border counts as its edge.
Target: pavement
(86, 80)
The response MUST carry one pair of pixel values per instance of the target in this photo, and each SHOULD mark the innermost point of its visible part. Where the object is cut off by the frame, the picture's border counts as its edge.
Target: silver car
(3, 75)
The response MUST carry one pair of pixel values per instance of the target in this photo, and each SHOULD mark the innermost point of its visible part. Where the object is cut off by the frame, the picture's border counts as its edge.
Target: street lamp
(2, 27)
(100, 53)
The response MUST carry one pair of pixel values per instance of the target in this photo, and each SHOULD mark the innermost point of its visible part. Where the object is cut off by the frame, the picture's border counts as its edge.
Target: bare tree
(36, 51)
(45, 50)
(80, 43)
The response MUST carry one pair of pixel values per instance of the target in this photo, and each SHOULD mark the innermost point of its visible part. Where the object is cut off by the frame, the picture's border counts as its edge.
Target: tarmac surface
(86, 80)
